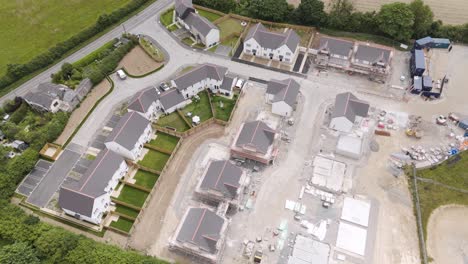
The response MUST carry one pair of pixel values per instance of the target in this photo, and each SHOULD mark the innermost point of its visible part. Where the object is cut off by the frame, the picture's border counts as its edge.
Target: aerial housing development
(234, 132)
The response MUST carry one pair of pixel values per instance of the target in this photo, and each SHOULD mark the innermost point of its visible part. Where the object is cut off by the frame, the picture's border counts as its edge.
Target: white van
(121, 74)
(239, 83)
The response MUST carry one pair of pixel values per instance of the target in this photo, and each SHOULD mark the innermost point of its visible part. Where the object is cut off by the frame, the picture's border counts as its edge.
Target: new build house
(89, 197)
(228, 84)
(255, 142)
(145, 103)
(221, 181)
(373, 58)
(272, 45)
(51, 97)
(201, 28)
(129, 135)
(334, 52)
(201, 77)
(201, 233)
(282, 95)
(347, 111)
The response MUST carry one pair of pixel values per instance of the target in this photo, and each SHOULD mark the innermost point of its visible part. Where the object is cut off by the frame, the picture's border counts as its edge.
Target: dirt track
(449, 11)
(447, 235)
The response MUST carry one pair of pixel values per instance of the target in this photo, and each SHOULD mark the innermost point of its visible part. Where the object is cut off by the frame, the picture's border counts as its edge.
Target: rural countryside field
(35, 26)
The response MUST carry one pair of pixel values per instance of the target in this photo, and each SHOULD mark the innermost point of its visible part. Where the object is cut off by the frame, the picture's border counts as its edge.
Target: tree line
(17, 71)
(399, 21)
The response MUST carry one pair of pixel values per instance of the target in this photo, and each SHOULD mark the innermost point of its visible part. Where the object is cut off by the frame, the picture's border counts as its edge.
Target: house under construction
(201, 234)
(222, 181)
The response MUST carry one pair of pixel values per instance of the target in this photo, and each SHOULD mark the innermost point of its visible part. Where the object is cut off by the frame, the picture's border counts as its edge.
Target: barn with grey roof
(201, 233)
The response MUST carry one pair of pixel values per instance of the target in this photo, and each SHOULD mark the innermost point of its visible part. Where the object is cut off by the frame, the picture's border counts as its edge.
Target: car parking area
(34, 178)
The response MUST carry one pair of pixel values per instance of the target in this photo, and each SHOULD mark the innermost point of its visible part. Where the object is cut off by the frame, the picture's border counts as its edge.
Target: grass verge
(167, 17)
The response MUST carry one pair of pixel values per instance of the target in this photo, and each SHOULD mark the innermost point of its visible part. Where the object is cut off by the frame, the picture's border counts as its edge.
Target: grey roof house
(171, 100)
(283, 91)
(201, 233)
(201, 28)
(144, 101)
(372, 55)
(255, 142)
(346, 110)
(273, 40)
(50, 97)
(78, 197)
(200, 76)
(221, 181)
(129, 135)
(334, 52)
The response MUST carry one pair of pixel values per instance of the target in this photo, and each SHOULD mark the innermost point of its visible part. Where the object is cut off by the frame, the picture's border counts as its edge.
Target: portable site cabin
(417, 85)
(418, 63)
(435, 43)
(463, 123)
(427, 83)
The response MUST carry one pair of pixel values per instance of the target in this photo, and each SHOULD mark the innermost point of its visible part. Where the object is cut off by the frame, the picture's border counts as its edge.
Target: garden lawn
(167, 17)
(126, 211)
(132, 196)
(173, 120)
(35, 26)
(164, 141)
(201, 108)
(122, 224)
(145, 179)
(154, 160)
(210, 16)
(188, 41)
(230, 26)
(228, 105)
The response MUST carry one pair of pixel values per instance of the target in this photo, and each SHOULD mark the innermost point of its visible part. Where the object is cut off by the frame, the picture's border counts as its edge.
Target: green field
(122, 224)
(201, 108)
(145, 179)
(230, 26)
(31, 27)
(132, 196)
(210, 16)
(164, 141)
(432, 195)
(154, 160)
(173, 120)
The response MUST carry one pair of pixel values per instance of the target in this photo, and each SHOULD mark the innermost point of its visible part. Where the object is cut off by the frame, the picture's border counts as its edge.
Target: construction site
(325, 185)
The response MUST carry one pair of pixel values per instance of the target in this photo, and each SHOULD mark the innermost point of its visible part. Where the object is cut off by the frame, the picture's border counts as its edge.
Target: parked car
(164, 87)
(121, 74)
(240, 82)
(441, 120)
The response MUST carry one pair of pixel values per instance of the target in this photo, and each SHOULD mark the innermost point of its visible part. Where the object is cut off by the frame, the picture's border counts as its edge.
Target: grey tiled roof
(199, 23)
(47, 92)
(284, 90)
(222, 176)
(201, 228)
(171, 98)
(78, 196)
(128, 130)
(349, 106)
(42, 99)
(228, 83)
(273, 40)
(336, 46)
(200, 73)
(143, 100)
(372, 54)
(256, 134)
(183, 8)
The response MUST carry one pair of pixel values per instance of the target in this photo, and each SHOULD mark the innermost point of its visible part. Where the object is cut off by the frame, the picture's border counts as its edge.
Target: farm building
(348, 110)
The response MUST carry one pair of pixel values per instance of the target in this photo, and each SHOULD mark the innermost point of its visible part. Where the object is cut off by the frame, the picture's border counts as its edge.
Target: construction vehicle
(258, 256)
(414, 132)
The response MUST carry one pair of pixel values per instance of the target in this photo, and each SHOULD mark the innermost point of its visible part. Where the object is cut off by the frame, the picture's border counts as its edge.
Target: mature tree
(21, 165)
(67, 70)
(55, 244)
(423, 18)
(18, 253)
(272, 10)
(341, 15)
(396, 20)
(222, 5)
(7, 186)
(310, 13)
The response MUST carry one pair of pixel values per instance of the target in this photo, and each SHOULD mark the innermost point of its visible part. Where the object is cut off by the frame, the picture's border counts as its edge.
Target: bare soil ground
(138, 62)
(447, 235)
(449, 11)
(80, 113)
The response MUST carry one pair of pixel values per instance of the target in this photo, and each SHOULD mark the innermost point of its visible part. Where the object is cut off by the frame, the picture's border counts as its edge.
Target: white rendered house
(282, 95)
(347, 111)
(145, 103)
(129, 135)
(272, 45)
(89, 198)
